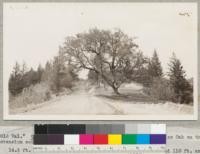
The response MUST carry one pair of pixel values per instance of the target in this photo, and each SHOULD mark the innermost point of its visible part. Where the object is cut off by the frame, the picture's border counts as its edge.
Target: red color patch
(100, 139)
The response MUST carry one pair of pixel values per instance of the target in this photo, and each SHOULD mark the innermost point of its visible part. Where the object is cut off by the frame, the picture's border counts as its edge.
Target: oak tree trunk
(116, 90)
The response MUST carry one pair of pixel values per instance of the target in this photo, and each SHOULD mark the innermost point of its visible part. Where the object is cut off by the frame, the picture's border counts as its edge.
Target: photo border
(194, 116)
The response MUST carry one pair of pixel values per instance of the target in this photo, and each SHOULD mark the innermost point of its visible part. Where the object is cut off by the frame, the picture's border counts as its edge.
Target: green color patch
(129, 139)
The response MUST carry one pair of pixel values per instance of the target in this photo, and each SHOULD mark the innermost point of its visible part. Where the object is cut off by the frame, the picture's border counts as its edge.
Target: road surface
(84, 102)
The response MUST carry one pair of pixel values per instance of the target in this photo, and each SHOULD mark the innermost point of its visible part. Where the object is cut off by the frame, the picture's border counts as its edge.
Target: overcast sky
(33, 31)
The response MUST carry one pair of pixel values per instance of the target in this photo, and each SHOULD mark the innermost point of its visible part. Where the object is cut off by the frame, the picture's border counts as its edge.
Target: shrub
(32, 95)
(47, 95)
(160, 89)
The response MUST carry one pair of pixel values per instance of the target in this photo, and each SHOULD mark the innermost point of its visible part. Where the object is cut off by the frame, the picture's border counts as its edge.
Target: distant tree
(16, 69)
(15, 80)
(93, 77)
(72, 70)
(96, 79)
(139, 73)
(57, 69)
(56, 74)
(154, 67)
(24, 69)
(40, 71)
(47, 73)
(109, 54)
(66, 79)
(63, 75)
(180, 85)
(21, 78)
(32, 77)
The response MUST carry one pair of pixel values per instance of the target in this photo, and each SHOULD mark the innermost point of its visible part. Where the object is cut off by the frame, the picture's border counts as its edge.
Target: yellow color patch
(114, 139)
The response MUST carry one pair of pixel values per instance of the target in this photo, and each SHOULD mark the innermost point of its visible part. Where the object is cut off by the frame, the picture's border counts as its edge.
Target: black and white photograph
(100, 61)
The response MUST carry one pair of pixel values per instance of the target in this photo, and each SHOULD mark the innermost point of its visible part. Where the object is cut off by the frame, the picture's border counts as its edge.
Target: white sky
(33, 31)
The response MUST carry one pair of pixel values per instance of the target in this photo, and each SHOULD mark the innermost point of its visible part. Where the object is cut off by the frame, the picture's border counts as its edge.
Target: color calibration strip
(106, 134)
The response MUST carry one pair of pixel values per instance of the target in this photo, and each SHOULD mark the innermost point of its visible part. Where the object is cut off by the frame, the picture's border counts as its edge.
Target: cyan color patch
(142, 139)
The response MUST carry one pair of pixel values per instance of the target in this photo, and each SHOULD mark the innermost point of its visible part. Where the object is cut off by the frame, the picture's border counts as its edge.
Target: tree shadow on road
(131, 98)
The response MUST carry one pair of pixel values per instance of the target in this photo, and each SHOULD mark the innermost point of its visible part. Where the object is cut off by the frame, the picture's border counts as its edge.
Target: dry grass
(33, 95)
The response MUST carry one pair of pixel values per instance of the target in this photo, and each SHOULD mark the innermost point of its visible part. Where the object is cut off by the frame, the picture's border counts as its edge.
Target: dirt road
(84, 102)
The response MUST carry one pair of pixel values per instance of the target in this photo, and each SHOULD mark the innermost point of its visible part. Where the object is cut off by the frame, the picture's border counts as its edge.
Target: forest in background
(111, 58)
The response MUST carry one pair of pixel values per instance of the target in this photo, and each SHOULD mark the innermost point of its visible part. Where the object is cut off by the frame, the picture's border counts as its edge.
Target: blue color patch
(143, 139)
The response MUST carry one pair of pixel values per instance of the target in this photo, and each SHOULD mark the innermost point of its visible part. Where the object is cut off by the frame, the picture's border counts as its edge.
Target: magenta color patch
(86, 139)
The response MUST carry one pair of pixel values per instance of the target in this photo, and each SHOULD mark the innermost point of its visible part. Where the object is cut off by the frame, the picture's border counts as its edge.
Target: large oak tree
(111, 54)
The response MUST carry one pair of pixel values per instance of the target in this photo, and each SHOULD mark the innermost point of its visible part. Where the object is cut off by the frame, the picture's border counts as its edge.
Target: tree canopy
(180, 85)
(155, 69)
(112, 55)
